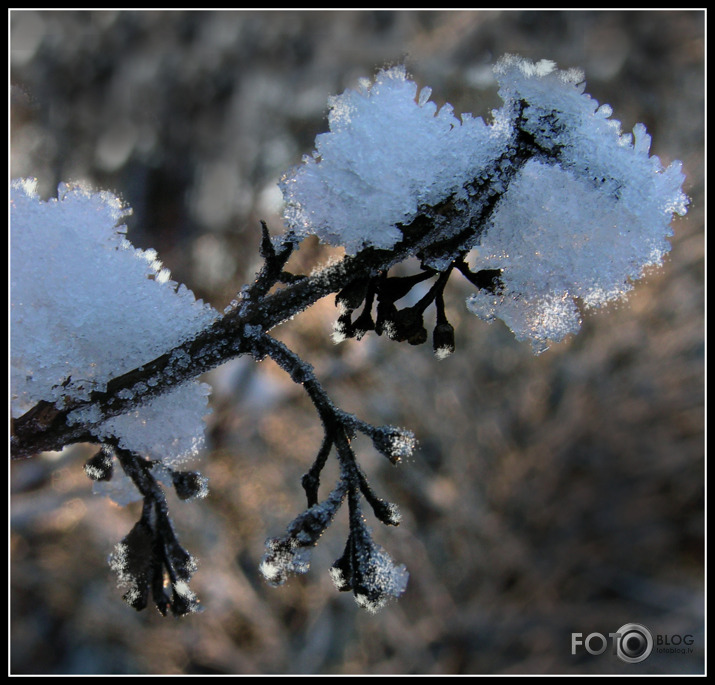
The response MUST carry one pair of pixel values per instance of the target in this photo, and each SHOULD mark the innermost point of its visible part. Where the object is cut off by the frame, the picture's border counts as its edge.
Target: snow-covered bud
(443, 340)
(190, 484)
(352, 295)
(100, 466)
(343, 328)
(395, 443)
(136, 565)
(363, 324)
(387, 512)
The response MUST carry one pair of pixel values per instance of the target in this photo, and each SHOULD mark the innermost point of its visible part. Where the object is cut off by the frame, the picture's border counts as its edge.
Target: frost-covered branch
(547, 205)
(53, 425)
(365, 569)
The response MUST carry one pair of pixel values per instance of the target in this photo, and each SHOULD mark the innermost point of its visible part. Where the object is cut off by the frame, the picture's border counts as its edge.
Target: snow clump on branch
(577, 209)
(87, 307)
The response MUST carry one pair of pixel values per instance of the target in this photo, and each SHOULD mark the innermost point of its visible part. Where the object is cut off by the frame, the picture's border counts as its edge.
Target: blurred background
(550, 495)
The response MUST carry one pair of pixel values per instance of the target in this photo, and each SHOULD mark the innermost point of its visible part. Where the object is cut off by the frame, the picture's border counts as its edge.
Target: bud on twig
(443, 340)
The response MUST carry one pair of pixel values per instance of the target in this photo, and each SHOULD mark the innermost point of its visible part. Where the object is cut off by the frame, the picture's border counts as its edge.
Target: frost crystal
(284, 557)
(583, 225)
(382, 581)
(87, 307)
(387, 153)
(395, 443)
(119, 563)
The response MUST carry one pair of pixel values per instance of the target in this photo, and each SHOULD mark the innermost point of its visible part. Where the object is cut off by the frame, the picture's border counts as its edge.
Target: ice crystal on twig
(100, 467)
(190, 484)
(291, 553)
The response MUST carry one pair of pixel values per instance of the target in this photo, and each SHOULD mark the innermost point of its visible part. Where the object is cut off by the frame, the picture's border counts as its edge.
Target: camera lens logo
(634, 643)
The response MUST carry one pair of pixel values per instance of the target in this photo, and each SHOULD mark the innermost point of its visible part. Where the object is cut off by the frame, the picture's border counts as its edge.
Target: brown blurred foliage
(550, 495)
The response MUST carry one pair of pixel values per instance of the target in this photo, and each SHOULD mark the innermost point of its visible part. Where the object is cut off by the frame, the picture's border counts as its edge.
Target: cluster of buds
(365, 568)
(150, 562)
(382, 292)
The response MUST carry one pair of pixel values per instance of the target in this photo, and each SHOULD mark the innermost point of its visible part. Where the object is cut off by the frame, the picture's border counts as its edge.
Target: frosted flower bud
(291, 553)
(387, 512)
(341, 571)
(443, 340)
(343, 328)
(283, 557)
(189, 484)
(100, 467)
(395, 443)
(352, 295)
(363, 324)
(368, 571)
(134, 563)
(386, 312)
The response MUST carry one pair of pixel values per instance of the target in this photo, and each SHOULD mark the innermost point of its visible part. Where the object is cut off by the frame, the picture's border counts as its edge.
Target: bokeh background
(550, 495)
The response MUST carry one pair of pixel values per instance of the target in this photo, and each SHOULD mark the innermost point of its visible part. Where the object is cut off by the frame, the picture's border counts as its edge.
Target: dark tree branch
(50, 427)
